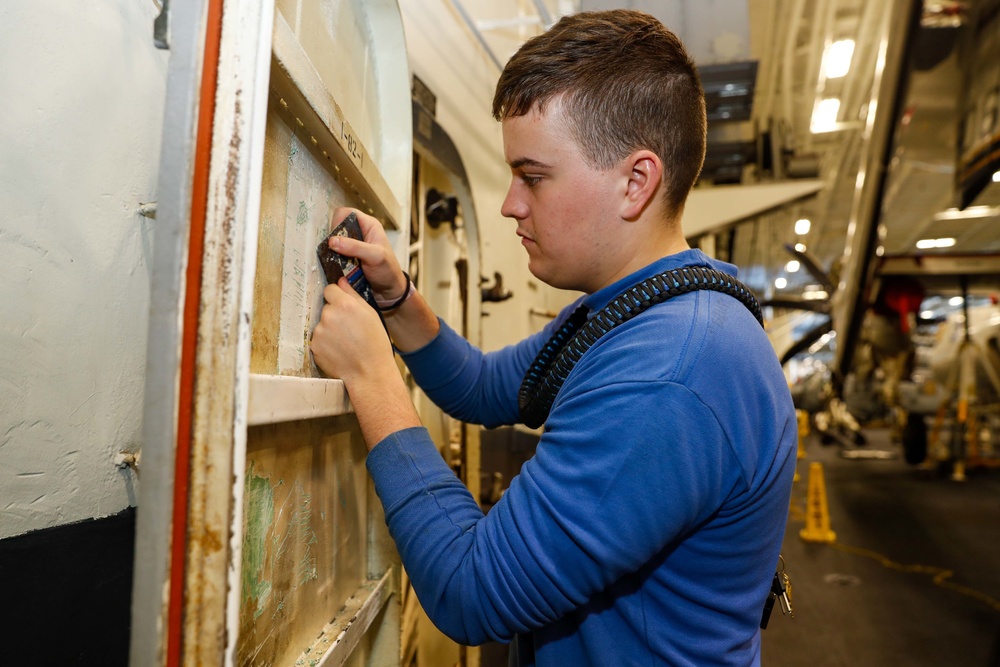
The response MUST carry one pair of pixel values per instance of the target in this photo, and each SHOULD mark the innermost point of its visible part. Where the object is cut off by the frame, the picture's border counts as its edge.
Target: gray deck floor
(862, 609)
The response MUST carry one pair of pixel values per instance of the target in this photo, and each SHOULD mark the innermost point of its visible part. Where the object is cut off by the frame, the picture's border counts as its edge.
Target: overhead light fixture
(927, 315)
(792, 266)
(801, 247)
(970, 212)
(925, 244)
(955, 301)
(802, 226)
(824, 118)
(814, 295)
(996, 176)
(837, 59)
(780, 283)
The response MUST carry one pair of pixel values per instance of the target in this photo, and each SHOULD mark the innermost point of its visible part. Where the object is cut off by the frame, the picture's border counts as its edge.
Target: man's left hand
(350, 342)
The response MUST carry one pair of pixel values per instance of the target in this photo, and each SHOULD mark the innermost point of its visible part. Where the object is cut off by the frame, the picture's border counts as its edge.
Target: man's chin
(549, 279)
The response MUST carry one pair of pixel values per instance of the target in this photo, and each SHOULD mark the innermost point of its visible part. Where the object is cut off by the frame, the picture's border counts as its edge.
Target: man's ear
(645, 177)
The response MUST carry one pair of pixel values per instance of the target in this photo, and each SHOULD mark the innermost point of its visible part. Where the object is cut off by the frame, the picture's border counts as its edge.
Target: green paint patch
(258, 503)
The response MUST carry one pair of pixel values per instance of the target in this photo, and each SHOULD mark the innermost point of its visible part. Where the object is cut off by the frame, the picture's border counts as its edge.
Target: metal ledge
(275, 399)
(341, 635)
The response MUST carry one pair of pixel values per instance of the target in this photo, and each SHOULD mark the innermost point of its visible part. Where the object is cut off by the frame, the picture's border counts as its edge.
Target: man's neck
(652, 241)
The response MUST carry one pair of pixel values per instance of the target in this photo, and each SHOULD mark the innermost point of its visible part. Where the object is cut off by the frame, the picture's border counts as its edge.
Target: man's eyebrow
(528, 162)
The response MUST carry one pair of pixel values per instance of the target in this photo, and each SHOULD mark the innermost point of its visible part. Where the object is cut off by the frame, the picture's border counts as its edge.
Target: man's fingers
(345, 287)
(367, 222)
(335, 293)
(331, 293)
(366, 252)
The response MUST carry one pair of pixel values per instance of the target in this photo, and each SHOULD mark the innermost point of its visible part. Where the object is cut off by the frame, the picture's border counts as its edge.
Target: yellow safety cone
(803, 418)
(817, 528)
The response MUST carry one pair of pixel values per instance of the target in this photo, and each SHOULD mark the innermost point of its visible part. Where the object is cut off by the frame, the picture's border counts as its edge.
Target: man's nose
(513, 206)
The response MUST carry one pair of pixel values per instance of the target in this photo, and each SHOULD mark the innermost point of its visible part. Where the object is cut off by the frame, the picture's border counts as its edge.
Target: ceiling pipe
(864, 59)
(471, 25)
(787, 60)
(767, 85)
(543, 14)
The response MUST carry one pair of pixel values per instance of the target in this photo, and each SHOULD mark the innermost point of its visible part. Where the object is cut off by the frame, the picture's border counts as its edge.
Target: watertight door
(259, 537)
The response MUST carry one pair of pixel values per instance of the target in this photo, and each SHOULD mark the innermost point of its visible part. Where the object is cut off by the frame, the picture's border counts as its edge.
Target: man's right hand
(375, 254)
(413, 324)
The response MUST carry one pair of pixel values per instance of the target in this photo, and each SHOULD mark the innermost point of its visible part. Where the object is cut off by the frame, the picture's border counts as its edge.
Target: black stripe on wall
(65, 594)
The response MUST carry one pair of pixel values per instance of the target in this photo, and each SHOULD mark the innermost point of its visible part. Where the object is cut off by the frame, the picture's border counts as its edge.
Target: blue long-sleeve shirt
(646, 528)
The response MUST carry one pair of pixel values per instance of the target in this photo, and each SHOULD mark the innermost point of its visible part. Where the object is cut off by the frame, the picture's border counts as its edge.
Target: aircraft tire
(915, 439)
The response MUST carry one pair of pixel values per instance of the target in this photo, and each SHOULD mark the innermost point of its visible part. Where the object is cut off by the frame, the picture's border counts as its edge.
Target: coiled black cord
(563, 350)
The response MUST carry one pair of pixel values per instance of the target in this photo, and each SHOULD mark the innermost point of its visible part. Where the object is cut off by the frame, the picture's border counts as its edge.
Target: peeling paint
(259, 515)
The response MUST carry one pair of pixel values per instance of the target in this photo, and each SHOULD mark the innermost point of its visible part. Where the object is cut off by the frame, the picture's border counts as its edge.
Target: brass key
(786, 596)
(781, 589)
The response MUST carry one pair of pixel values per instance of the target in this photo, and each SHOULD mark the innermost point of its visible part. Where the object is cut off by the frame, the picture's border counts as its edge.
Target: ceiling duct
(732, 140)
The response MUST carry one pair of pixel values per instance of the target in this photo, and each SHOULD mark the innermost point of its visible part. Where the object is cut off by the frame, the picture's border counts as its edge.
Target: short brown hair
(627, 84)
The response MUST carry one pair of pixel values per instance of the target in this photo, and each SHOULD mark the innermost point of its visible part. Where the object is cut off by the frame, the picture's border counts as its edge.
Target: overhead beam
(712, 209)
(939, 265)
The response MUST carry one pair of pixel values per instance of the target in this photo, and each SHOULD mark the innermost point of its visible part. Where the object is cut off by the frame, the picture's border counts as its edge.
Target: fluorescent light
(970, 212)
(824, 118)
(802, 226)
(780, 283)
(924, 244)
(801, 247)
(792, 266)
(927, 315)
(955, 301)
(814, 295)
(996, 176)
(837, 59)
(823, 340)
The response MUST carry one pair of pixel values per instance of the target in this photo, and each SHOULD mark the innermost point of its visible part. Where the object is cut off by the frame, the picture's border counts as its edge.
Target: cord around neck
(564, 349)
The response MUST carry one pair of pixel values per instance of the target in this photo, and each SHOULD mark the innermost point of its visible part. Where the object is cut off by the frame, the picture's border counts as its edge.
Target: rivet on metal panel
(283, 102)
(314, 140)
(299, 121)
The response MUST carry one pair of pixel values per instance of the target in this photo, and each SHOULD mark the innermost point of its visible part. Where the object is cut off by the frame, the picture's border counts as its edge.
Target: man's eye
(531, 181)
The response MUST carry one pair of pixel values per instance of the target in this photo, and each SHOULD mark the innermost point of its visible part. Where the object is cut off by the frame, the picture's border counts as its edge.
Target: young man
(646, 528)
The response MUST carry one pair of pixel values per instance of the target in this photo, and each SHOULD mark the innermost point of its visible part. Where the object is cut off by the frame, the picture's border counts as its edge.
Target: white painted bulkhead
(83, 106)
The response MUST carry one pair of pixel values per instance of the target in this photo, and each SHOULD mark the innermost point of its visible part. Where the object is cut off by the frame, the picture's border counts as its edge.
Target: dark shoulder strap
(559, 355)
